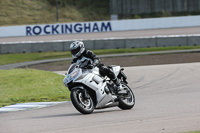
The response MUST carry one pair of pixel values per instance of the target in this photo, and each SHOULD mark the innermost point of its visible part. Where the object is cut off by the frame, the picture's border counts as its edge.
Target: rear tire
(84, 106)
(129, 101)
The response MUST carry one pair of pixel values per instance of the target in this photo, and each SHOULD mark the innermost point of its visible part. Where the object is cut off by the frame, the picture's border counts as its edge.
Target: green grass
(27, 85)
(23, 57)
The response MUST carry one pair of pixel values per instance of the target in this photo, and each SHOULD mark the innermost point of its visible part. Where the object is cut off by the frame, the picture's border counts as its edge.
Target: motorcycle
(90, 90)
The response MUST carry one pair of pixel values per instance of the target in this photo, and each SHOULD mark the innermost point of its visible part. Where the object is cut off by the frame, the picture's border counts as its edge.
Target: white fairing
(116, 70)
(94, 81)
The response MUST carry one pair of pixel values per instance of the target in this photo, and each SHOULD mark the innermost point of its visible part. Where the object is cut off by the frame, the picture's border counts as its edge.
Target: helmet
(77, 48)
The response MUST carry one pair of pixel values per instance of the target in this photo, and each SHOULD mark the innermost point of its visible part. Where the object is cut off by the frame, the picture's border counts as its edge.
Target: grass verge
(23, 57)
(23, 12)
(27, 85)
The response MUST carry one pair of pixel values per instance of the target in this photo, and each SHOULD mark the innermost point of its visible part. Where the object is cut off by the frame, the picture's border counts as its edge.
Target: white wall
(100, 26)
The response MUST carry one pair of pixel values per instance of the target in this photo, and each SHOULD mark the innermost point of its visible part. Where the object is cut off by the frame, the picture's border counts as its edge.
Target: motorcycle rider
(78, 51)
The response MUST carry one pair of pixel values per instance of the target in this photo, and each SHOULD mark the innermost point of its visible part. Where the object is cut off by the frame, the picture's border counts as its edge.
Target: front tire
(127, 102)
(83, 105)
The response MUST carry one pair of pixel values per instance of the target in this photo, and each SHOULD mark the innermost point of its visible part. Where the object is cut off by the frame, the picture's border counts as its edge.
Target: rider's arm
(74, 60)
(91, 55)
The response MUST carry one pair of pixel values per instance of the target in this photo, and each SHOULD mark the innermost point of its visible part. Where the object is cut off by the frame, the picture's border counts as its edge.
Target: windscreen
(72, 67)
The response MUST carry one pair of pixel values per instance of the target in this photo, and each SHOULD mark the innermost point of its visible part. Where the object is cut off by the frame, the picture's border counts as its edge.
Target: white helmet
(77, 48)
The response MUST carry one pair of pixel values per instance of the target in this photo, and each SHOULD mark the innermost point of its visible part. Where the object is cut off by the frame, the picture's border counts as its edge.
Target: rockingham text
(52, 29)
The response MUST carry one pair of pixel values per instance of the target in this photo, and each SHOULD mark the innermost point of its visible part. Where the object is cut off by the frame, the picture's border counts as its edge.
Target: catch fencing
(130, 7)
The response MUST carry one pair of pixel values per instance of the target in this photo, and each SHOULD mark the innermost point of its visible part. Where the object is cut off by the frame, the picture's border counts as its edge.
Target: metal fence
(130, 7)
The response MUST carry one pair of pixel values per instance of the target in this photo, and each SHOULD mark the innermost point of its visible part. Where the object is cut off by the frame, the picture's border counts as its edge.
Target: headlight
(73, 75)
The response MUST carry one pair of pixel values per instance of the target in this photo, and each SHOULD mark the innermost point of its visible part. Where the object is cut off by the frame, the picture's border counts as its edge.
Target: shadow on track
(58, 115)
(76, 114)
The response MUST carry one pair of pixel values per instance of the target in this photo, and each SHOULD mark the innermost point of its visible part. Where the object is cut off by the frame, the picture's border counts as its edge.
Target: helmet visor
(75, 51)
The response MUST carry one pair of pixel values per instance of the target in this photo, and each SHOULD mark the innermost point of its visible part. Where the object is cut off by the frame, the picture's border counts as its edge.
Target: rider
(78, 51)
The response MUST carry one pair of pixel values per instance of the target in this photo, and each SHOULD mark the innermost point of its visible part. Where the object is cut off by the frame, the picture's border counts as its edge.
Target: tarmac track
(167, 98)
(100, 35)
(167, 101)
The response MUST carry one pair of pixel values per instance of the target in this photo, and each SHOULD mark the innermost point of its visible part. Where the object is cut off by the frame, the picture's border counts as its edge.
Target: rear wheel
(127, 101)
(81, 103)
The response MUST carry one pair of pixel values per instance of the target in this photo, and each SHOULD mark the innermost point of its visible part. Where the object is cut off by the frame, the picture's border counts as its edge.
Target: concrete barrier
(171, 41)
(193, 40)
(109, 44)
(47, 46)
(89, 44)
(156, 41)
(140, 42)
(16, 48)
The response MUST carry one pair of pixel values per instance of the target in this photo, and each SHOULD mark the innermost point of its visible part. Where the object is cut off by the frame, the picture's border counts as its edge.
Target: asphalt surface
(100, 35)
(167, 101)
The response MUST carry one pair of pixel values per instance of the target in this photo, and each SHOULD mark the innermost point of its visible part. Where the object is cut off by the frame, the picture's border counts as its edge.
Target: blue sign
(52, 29)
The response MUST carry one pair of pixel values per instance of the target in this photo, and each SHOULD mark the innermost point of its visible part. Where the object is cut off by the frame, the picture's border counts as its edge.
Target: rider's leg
(108, 72)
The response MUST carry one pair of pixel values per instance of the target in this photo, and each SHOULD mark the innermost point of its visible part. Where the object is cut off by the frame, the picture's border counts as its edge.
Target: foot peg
(121, 92)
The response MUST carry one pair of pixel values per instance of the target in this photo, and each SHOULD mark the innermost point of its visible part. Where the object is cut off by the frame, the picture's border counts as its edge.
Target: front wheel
(127, 101)
(81, 103)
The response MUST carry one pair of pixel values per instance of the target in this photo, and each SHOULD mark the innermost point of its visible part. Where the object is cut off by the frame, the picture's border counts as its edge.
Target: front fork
(83, 91)
(85, 95)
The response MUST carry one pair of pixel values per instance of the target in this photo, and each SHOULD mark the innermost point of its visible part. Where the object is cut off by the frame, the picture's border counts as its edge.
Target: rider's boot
(119, 88)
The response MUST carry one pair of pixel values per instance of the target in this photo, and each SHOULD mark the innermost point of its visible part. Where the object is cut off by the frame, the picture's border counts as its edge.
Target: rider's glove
(90, 66)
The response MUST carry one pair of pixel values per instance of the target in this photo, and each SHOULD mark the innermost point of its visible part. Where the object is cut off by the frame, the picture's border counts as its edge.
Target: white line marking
(26, 106)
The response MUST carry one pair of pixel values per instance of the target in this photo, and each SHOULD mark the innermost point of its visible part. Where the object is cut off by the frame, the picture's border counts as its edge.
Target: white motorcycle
(89, 90)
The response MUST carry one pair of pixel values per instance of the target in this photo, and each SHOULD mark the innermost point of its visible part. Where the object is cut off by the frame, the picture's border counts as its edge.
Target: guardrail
(108, 43)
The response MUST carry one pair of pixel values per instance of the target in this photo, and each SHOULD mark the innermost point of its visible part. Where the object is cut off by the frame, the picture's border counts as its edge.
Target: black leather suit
(104, 70)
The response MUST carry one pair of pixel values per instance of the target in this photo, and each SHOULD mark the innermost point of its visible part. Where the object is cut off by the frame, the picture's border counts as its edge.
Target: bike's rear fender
(115, 69)
(122, 76)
